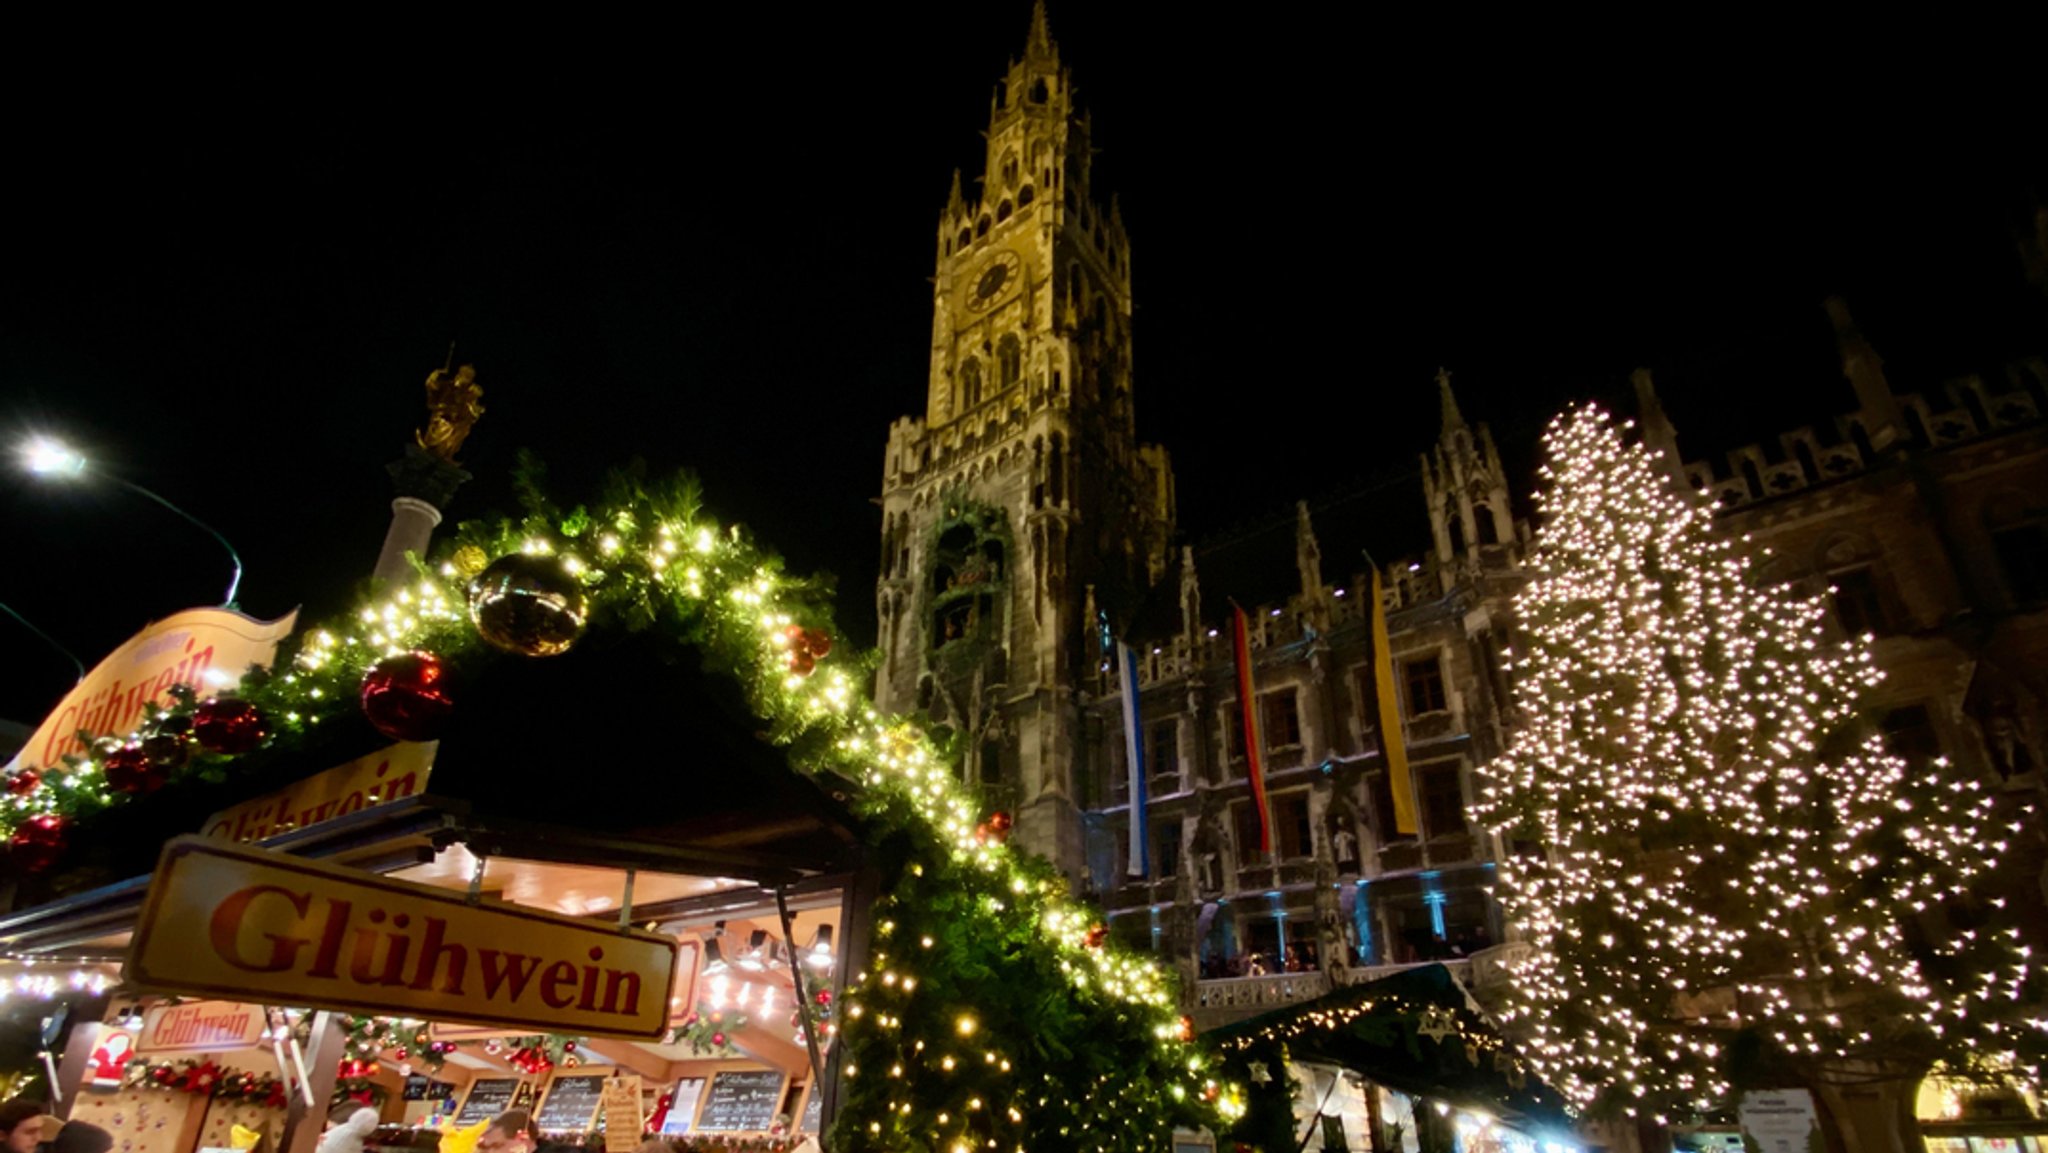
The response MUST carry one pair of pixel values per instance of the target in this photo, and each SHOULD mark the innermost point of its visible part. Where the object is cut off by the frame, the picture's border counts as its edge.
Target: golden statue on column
(454, 402)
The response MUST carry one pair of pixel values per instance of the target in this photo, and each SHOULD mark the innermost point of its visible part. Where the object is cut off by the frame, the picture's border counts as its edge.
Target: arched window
(1482, 515)
(1002, 212)
(981, 227)
(970, 383)
(1025, 196)
(1040, 93)
(1010, 170)
(1009, 361)
(966, 237)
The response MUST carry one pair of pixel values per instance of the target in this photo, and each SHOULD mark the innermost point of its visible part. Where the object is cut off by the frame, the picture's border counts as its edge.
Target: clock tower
(1021, 519)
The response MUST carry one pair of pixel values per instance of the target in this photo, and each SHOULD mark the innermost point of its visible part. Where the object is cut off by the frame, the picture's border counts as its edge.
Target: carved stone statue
(1344, 847)
(454, 403)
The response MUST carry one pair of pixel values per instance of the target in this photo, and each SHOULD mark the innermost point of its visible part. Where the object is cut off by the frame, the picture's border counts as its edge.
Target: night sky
(710, 248)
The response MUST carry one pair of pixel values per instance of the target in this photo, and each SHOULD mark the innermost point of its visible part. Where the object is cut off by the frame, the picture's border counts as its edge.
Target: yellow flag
(1399, 782)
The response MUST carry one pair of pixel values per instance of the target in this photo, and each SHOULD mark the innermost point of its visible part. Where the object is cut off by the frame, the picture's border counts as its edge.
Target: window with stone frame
(1442, 800)
(1292, 836)
(1166, 847)
(1367, 692)
(1423, 677)
(1909, 732)
(2022, 551)
(1858, 603)
(1244, 819)
(1381, 796)
(1162, 753)
(1233, 741)
(1280, 719)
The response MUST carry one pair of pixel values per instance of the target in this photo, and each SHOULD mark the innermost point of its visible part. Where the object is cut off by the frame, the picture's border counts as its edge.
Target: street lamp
(53, 458)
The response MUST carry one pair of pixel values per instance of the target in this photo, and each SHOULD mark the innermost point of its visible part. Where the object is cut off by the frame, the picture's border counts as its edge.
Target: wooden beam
(630, 1057)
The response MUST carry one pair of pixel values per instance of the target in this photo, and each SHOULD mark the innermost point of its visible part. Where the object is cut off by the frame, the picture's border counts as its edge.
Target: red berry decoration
(228, 726)
(1097, 934)
(23, 782)
(406, 697)
(39, 841)
(129, 770)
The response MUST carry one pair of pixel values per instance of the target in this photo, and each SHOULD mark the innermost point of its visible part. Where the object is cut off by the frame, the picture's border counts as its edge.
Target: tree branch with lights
(1722, 883)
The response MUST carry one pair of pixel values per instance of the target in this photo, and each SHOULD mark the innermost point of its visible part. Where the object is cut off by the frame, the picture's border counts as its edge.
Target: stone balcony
(1228, 1000)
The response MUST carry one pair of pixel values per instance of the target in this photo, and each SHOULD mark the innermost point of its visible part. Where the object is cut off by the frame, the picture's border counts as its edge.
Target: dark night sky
(709, 248)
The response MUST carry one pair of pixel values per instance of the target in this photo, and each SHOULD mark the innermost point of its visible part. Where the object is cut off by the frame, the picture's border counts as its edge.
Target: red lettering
(224, 929)
(616, 982)
(499, 968)
(559, 974)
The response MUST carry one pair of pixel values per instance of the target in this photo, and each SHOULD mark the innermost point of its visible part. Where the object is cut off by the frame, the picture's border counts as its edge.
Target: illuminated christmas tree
(1719, 878)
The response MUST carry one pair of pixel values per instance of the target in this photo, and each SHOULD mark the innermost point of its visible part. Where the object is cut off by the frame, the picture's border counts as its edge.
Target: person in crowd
(21, 1125)
(349, 1125)
(80, 1137)
(514, 1131)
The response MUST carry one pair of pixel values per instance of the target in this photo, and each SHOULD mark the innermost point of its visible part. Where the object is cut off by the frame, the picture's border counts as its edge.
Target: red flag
(1254, 740)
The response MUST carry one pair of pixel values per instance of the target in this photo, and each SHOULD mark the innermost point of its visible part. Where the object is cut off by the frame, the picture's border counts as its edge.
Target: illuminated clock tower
(1020, 516)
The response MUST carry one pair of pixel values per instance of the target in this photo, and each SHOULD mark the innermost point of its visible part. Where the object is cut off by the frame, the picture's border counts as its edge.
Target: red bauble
(802, 663)
(818, 641)
(23, 782)
(824, 996)
(718, 1038)
(129, 770)
(228, 726)
(406, 697)
(998, 825)
(38, 842)
(1097, 934)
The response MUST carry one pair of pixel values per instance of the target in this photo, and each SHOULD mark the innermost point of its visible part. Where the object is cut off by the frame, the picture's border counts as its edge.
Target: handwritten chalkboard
(571, 1104)
(488, 1097)
(814, 1108)
(741, 1101)
(420, 1087)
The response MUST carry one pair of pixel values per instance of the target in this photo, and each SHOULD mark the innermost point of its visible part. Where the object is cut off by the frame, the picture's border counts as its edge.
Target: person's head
(79, 1137)
(512, 1131)
(21, 1125)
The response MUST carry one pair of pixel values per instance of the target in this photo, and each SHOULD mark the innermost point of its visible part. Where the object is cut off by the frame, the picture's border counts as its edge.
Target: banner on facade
(247, 924)
(203, 648)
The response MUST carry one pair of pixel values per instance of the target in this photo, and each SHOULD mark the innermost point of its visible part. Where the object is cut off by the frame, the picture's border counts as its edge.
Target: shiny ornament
(38, 842)
(23, 782)
(228, 726)
(167, 751)
(529, 605)
(1097, 934)
(406, 697)
(470, 560)
(806, 648)
(998, 824)
(129, 770)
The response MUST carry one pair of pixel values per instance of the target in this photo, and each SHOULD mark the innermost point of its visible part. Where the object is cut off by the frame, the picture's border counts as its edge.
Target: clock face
(992, 283)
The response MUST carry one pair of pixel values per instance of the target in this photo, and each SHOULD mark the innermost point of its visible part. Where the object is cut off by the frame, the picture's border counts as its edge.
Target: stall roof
(1414, 1031)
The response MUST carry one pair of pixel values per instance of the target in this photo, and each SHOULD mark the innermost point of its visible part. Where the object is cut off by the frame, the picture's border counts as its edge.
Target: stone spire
(1039, 41)
(1659, 434)
(955, 199)
(1453, 419)
(1308, 555)
(1865, 372)
(1190, 598)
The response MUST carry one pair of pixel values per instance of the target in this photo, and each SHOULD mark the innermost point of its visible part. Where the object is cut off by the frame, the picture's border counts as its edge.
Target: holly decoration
(39, 841)
(228, 726)
(23, 781)
(707, 1030)
(406, 697)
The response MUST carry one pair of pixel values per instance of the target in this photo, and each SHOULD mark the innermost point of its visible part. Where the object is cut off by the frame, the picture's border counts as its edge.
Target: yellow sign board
(385, 775)
(204, 648)
(201, 1027)
(622, 1120)
(241, 923)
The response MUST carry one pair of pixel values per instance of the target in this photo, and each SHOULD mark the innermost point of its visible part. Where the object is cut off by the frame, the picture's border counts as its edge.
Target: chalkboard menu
(571, 1104)
(741, 1101)
(488, 1097)
(420, 1087)
(814, 1107)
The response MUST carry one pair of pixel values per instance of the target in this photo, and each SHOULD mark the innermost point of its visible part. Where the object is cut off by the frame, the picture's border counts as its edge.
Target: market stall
(1401, 1065)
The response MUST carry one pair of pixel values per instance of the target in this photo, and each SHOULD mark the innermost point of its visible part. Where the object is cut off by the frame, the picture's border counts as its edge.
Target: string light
(1695, 852)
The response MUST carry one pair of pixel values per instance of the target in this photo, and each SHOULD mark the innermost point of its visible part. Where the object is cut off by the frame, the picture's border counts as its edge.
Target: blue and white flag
(1140, 864)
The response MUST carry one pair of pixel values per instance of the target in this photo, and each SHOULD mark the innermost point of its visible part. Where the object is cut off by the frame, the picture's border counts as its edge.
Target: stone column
(425, 483)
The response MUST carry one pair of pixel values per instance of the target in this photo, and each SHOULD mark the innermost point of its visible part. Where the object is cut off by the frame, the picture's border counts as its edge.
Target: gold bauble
(530, 605)
(470, 560)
